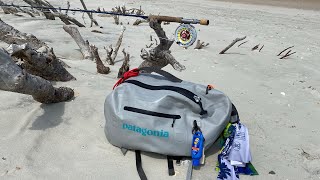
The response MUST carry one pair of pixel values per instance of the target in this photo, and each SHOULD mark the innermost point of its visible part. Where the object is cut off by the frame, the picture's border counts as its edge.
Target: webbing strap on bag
(170, 166)
(141, 173)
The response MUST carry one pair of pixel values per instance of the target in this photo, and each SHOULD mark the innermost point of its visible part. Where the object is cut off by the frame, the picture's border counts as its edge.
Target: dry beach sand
(279, 100)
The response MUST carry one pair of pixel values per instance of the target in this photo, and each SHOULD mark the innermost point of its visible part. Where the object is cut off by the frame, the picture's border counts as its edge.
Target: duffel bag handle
(165, 74)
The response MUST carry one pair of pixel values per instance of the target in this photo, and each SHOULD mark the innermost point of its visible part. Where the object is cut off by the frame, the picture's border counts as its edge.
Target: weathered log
(83, 45)
(10, 35)
(14, 79)
(89, 14)
(233, 42)
(100, 66)
(40, 3)
(160, 56)
(8, 10)
(45, 65)
(125, 65)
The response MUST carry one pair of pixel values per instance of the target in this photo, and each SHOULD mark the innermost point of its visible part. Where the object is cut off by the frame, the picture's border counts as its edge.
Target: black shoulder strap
(170, 166)
(139, 166)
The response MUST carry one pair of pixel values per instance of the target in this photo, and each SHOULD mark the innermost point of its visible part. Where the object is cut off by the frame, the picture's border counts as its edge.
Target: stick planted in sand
(15, 79)
(233, 42)
(200, 45)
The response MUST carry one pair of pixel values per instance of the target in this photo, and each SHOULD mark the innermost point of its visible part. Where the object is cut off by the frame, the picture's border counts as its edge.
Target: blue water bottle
(197, 147)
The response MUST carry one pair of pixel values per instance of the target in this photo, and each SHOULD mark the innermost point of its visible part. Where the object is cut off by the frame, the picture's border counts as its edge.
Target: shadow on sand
(51, 117)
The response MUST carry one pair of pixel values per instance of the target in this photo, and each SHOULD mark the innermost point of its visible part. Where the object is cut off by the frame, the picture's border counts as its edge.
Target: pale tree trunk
(14, 79)
(83, 45)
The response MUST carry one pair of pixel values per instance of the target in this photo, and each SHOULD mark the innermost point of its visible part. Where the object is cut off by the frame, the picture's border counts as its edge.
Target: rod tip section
(204, 22)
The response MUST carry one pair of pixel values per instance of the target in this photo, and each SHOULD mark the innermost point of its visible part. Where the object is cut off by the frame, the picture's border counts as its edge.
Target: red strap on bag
(127, 75)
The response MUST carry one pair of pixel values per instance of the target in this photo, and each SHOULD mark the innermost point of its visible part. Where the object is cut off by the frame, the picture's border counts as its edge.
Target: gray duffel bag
(156, 113)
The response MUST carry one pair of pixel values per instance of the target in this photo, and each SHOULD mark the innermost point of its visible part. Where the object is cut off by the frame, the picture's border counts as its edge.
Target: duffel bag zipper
(190, 95)
(152, 113)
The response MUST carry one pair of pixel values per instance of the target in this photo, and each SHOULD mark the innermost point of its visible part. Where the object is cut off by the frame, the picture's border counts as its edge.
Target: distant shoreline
(298, 4)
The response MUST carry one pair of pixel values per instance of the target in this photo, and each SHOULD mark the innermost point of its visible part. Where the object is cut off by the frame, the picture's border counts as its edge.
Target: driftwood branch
(285, 50)
(242, 43)
(100, 66)
(255, 47)
(200, 45)
(125, 65)
(233, 42)
(83, 45)
(10, 35)
(14, 79)
(139, 21)
(109, 54)
(40, 3)
(89, 14)
(115, 52)
(45, 65)
(8, 10)
(261, 48)
(160, 56)
(287, 54)
(112, 53)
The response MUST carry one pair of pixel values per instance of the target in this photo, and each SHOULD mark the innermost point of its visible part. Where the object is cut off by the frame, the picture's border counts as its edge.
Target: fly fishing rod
(185, 34)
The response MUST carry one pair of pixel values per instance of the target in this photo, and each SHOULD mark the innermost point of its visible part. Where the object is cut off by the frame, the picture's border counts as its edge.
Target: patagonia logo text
(145, 131)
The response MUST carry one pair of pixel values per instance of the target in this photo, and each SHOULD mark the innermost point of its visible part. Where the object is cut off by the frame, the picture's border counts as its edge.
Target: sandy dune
(279, 100)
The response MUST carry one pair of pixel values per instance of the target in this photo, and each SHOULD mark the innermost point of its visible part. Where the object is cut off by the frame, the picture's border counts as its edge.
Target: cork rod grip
(166, 18)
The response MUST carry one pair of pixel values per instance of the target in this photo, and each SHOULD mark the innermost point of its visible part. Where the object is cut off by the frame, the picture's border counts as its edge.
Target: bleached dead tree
(112, 53)
(15, 79)
(83, 45)
(88, 51)
(160, 56)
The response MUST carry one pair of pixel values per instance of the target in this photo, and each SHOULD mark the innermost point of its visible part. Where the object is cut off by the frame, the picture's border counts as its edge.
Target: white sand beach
(278, 100)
